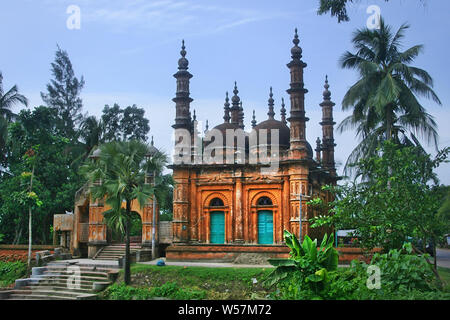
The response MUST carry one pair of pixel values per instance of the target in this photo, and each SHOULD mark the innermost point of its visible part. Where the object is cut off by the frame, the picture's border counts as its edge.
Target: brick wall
(11, 253)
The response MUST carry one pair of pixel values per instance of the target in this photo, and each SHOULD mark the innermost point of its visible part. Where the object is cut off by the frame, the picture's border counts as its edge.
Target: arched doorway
(217, 221)
(265, 221)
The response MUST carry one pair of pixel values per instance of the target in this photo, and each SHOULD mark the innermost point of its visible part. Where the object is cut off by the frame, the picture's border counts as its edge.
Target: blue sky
(127, 52)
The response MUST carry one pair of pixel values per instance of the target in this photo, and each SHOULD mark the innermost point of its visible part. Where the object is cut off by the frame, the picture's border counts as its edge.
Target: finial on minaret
(151, 143)
(326, 93)
(194, 118)
(183, 63)
(226, 108)
(271, 113)
(235, 109)
(241, 116)
(207, 126)
(283, 111)
(296, 51)
(253, 119)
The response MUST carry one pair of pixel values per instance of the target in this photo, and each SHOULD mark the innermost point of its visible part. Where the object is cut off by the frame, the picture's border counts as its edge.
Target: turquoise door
(265, 227)
(217, 227)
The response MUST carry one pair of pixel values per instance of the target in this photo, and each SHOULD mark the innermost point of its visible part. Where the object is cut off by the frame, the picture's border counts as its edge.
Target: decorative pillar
(238, 212)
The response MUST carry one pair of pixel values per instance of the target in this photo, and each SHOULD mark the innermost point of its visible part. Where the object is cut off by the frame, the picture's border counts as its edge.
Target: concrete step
(15, 296)
(82, 273)
(61, 287)
(84, 283)
(63, 276)
(47, 292)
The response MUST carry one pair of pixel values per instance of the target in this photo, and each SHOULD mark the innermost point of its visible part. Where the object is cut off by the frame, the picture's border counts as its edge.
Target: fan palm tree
(384, 99)
(122, 168)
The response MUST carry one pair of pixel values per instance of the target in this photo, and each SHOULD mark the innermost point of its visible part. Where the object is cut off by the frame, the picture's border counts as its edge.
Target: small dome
(284, 132)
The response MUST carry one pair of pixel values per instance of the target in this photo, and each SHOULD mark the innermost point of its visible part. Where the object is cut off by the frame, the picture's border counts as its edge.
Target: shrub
(10, 271)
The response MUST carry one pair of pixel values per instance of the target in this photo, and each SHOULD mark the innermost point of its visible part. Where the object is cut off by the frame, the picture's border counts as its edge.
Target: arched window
(216, 202)
(264, 201)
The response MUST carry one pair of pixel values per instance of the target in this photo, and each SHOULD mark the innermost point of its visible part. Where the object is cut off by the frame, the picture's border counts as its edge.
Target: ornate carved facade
(218, 206)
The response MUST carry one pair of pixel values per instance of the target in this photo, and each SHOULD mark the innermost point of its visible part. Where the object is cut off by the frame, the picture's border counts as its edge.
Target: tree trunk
(127, 271)
(30, 224)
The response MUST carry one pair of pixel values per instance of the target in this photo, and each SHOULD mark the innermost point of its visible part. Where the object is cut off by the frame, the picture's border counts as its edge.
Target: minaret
(253, 119)
(235, 109)
(297, 119)
(182, 99)
(283, 111)
(327, 130)
(271, 113)
(226, 108)
(241, 116)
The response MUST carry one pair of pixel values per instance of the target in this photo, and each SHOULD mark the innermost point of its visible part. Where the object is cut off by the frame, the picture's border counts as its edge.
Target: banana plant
(310, 262)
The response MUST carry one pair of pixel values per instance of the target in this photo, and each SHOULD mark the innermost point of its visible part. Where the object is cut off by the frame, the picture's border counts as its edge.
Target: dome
(284, 132)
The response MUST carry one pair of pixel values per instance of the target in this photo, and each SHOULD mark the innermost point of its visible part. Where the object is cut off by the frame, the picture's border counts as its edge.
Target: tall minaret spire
(182, 99)
(226, 108)
(327, 130)
(241, 116)
(271, 113)
(235, 109)
(253, 119)
(283, 111)
(297, 119)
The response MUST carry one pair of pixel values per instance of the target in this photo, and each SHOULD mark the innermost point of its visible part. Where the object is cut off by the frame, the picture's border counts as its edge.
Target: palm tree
(122, 167)
(7, 101)
(384, 99)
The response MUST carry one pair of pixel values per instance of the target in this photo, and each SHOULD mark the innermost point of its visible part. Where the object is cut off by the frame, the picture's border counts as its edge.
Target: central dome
(283, 132)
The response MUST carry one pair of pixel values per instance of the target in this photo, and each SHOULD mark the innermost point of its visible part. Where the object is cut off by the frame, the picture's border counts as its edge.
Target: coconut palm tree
(121, 167)
(7, 101)
(384, 100)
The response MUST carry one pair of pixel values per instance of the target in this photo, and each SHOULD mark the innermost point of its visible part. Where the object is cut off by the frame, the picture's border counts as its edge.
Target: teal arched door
(217, 227)
(265, 227)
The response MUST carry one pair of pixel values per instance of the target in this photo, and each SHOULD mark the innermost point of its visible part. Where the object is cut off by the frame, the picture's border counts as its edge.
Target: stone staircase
(115, 252)
(61, 281)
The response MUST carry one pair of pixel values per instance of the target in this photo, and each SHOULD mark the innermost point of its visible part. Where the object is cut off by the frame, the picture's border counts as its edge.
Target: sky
(127, 52)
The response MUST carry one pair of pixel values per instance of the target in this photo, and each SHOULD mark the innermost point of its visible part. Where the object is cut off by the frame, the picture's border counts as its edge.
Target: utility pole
(300, 218)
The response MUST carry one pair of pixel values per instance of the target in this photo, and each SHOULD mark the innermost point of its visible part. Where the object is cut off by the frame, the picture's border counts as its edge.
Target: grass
(10, 271)
(201, 282)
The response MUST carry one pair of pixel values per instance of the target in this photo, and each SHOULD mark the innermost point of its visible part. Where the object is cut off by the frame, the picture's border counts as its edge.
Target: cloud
(169, 15)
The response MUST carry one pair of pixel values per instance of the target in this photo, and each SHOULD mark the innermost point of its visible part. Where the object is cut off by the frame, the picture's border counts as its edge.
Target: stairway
(60, 281)
(115, 252)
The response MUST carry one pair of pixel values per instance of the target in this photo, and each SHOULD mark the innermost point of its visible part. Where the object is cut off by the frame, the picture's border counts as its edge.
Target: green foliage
(401, 269)
(398, 202)
(63, 95)
(404, 276)
(124, 124)
(10, 271)
(307, 269)
(170, 290)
